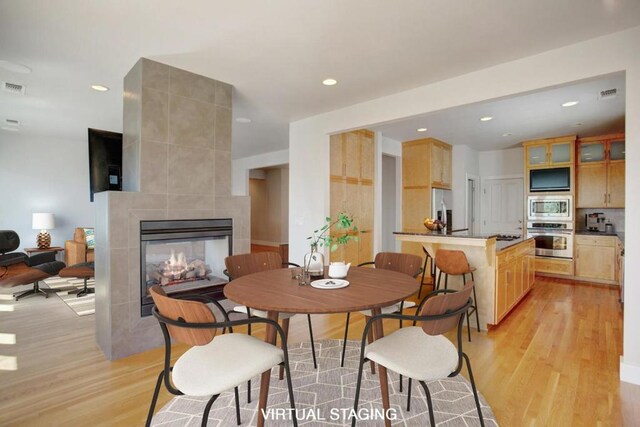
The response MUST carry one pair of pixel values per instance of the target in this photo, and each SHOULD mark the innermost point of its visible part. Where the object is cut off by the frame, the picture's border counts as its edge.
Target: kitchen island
(505, 270)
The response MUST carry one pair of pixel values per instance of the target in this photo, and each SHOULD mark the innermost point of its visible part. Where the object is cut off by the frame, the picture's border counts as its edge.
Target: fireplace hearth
(183, 256)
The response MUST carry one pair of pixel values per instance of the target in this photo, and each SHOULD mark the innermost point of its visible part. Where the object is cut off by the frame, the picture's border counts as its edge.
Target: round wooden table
(275, 291)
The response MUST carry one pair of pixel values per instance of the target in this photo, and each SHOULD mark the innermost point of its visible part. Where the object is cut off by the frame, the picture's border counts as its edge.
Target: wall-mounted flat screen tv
(554, 179)
(105, 161)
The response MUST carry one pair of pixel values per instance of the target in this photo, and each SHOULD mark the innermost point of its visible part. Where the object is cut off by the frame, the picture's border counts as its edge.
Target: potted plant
(314, 260)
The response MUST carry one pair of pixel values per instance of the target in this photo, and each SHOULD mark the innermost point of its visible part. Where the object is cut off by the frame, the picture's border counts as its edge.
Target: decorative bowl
(434, 226)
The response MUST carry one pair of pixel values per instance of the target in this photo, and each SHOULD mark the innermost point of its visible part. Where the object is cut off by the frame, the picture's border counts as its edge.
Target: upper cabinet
(440, 164)
(550, 152)
(601, 166)
(352, 155)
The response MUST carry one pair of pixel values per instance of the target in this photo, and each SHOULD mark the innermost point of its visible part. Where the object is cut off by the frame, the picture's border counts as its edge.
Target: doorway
(269, 192)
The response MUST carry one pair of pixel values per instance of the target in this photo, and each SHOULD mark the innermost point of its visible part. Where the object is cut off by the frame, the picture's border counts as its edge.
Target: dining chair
(455, 263)
(432, 271)
(243, 264)
(402, 263)
(422, 352)
(213, 364)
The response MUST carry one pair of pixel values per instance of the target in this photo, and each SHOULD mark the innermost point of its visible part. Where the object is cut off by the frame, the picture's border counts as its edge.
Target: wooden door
(367, 155)
(615, 184)
(596, 262)
(502, 206)
(437, 154)
(416, 207)
(592, 185)
(336, 158)
(351, 151)
(531, 270)
(365, 247)
(501, 291)
(511, 284)
(446, 167)
(415, 158)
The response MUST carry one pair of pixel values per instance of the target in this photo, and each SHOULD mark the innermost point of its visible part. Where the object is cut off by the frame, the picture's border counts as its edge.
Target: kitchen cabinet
(426, 164)
(515, 275)
(550, 152)
(351, 190)
(440, 164)
(596, 257)
(600, 175)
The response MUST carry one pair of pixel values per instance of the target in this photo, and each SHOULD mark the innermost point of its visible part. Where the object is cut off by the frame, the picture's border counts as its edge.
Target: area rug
(324, 396)
(82, 306)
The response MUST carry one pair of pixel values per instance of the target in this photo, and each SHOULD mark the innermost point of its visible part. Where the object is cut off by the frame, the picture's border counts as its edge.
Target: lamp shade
(43, 221)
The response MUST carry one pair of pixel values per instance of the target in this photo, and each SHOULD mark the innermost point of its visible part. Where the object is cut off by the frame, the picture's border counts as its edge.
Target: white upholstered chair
(213, 364)
(422, 352)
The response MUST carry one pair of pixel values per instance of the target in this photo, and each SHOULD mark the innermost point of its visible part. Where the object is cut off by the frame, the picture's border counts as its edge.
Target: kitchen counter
(481, 252)
(619, 235)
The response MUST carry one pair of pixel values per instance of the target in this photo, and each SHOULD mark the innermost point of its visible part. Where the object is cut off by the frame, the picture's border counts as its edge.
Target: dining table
(277, 291)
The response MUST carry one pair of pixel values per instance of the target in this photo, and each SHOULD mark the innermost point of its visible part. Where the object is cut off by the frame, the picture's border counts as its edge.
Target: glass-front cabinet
(593, 152)
(601, 172)
(551, 152)
(616, 150)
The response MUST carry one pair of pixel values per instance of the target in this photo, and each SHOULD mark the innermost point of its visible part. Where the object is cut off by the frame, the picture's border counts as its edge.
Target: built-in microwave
(558, 208)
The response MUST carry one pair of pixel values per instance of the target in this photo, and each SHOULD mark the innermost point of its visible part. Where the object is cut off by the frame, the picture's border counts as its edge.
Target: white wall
(502, 163)
(464, 163)
(388, 198)
(44, 175)
(240, 169)
(309, 139)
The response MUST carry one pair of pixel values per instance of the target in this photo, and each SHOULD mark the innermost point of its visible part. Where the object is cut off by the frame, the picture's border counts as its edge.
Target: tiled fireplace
(176, 167)
(183, 256)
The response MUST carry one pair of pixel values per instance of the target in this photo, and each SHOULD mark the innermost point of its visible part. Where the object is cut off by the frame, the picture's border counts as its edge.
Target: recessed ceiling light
(486, 118)
(570, 103)
(329, 82)
(14, 66)
(99, 88)
(422, 129)
(507, 134)
(243, 120)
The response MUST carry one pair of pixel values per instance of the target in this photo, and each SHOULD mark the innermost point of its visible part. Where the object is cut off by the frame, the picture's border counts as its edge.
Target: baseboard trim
(629, 373)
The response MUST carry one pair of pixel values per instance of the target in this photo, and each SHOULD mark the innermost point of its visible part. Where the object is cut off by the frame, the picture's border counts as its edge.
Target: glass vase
(314, 263)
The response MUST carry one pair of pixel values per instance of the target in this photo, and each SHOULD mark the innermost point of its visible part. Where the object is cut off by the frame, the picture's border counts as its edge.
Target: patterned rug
(82, 306)
(324, 396)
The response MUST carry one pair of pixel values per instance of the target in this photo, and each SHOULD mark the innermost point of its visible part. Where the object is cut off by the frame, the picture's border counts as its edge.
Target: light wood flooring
(553, 362)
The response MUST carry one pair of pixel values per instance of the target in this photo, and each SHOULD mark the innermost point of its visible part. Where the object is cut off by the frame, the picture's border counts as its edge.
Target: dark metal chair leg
(207, 409)
(432, 419)
(473, 388)
(446, 281)
(313, 346)
(249, 391)
(34, 291)
(357, 396)
(475, 303)
(424, 271)
(401, 383)
(237, 398)
(291, 398)
(344, 343)
(439, 277)
(154, 399)
(409, 396)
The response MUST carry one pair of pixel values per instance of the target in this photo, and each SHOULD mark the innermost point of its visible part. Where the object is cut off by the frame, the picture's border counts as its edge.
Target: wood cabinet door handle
(609, 197)
(605, 197)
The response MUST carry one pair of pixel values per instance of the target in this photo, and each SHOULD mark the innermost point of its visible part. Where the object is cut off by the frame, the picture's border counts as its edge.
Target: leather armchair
(76, 251)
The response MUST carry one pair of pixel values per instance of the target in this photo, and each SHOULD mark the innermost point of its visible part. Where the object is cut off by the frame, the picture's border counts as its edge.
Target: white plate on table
(330, 284)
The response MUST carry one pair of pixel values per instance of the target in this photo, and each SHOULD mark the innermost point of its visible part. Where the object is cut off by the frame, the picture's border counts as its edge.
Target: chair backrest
(241, 265)
(402, 263)
(9, 241)
(452, 262)
(441, 304)
(187, 311)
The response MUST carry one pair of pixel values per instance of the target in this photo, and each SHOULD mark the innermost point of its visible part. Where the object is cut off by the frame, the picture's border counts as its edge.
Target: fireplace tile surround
(176, 165)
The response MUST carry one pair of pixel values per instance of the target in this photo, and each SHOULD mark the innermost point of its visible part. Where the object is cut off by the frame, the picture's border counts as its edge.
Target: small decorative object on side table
(43, 222)
(314, 260)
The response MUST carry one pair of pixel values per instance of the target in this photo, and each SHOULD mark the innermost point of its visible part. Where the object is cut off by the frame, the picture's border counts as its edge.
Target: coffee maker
(595, 221)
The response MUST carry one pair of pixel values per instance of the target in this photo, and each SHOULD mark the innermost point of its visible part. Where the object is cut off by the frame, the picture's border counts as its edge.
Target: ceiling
(275, 53)
(524, 117)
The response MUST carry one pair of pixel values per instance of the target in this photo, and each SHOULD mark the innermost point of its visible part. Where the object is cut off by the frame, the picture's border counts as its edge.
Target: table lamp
(43, 222)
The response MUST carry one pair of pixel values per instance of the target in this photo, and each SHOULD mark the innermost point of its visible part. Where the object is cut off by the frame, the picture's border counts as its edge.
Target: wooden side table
(54, 249)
